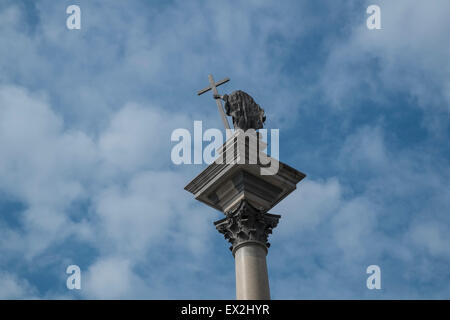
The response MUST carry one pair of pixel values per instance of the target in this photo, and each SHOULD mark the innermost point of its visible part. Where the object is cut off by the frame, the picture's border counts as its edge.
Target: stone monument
(236, 187)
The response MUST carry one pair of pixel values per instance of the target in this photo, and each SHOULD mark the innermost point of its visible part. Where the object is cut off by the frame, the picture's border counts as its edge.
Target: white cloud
(48, 166)
(353, 225)
(331, 230)
(364, 148)
(314, 202)
(42, 165)
(13, 288)
(408, 55)
(139, 138)
(142, 213)
(111, 278)
(431, 236)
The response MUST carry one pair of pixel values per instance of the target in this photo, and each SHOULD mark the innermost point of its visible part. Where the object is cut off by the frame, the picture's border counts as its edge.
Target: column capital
(246, 224)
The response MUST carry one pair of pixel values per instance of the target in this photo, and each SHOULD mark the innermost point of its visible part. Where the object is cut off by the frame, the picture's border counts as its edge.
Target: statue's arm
(224, 97)
(227, 104)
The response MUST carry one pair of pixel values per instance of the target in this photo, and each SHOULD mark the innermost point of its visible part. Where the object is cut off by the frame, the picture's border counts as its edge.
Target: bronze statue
(246, 113)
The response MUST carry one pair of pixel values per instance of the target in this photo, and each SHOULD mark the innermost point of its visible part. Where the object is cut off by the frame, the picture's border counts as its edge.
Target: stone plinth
(223, 185)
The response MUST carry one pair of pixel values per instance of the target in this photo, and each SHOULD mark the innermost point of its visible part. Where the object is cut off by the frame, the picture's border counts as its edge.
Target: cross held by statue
(213, 86)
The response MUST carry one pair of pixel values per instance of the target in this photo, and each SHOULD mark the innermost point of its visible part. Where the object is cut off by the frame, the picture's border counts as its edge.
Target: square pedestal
(224, 185)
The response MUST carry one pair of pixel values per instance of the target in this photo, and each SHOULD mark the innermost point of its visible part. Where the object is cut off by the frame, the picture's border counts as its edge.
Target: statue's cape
(240, 100)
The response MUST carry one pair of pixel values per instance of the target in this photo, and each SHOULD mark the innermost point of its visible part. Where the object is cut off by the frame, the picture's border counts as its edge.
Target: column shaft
(252, 281)
(247, 229)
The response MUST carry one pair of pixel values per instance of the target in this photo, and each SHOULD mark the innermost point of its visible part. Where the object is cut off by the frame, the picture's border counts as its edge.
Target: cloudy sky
(85, 123)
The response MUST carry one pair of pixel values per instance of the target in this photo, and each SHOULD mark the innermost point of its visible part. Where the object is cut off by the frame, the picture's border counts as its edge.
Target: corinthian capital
(246, 223)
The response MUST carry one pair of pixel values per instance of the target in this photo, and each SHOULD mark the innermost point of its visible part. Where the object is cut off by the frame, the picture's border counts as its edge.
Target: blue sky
(85, 123)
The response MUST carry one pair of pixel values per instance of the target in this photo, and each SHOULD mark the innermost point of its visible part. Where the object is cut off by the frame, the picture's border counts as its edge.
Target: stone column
(245, 192)
(247, 229)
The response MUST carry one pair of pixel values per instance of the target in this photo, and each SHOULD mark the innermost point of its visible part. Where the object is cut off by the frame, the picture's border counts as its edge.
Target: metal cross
(213, 86)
